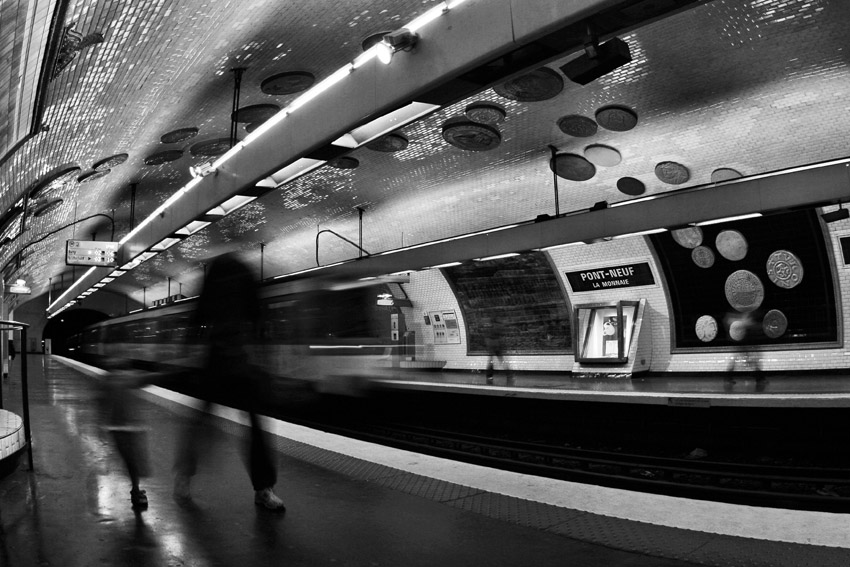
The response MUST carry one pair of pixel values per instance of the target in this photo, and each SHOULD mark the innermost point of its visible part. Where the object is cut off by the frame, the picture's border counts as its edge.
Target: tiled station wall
(429, 291)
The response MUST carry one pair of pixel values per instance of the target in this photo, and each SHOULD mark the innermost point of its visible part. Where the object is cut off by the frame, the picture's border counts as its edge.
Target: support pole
(25, 395)
(554, 152)
(237, 85)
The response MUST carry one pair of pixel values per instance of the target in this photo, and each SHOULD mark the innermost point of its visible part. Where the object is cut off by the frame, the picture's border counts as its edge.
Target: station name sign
(89, 253)
(629, 275)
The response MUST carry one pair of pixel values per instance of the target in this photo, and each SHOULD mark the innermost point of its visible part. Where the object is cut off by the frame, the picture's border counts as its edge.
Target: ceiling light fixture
(400, 40)
(728, 219)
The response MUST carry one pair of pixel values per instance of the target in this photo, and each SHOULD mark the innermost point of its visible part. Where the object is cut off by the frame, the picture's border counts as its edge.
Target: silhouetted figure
(493, 340)
(228, 316)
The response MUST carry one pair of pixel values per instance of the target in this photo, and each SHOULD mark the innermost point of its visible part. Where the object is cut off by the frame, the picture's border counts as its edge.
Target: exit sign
(88, 253)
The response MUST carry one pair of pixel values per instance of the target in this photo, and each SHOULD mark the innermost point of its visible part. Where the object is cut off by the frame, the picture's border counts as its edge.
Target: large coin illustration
(784, 269)
(775, 323)
(690, 237)
(703, 256)
(744, 291)
(732, 245)
(706, 328)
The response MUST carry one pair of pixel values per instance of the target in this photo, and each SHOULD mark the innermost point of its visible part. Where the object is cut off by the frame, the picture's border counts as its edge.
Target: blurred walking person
(228, 317)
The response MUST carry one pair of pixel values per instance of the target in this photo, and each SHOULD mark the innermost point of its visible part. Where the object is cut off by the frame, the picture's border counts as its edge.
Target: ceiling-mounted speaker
(597, 61)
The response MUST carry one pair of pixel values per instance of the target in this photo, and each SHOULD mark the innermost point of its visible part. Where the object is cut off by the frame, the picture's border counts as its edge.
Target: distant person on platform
(494, 341)
(228, 315)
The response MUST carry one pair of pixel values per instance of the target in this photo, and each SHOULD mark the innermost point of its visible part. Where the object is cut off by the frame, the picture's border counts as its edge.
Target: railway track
(794, 487)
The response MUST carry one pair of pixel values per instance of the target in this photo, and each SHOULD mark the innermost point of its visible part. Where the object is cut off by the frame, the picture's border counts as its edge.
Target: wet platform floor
(74, 510)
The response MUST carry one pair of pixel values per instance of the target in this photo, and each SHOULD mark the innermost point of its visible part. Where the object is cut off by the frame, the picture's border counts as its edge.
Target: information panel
(89, 253)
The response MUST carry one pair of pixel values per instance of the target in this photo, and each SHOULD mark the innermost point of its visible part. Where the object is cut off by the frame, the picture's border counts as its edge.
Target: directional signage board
(88, 253)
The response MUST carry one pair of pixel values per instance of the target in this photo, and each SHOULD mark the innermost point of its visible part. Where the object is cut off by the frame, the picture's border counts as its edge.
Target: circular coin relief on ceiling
(110, 162)
(631, 186)
(179, 135)
(724, 174)
(689, 237)
(54, 178)
(672, 172)
(744, 291)
(540, 84)
(774, 324)
(211, 148)
(577, 126)
(471, 136)
(344, 162)
(706, 328)
(732, 245)
(163, 157)
(572, 167)
(255, 113)
(606, 156)
(784, 269)
(485, 113)
(44, 208)
(93, 175)
(287, 83)
(702, 256)
(616, 118)
(390, 143)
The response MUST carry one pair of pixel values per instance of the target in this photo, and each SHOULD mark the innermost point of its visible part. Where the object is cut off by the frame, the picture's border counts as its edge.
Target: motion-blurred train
(335, 336)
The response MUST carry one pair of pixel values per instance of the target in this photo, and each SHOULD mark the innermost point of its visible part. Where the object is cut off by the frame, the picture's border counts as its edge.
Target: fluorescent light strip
(497, 257)
(73, 285)
(446, 265)
(321, 87)
(641, 233)
(232, 204)
(165, 244)
(556, 246)
(428, 17)
(728, 219)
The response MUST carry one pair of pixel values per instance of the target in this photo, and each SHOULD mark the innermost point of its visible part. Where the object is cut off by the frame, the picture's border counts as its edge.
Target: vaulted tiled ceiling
(750, 86)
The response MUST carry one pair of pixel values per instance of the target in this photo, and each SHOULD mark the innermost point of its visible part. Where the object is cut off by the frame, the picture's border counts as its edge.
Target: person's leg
(262, 469)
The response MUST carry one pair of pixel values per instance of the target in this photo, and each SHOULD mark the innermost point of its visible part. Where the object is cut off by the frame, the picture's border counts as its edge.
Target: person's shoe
(268, 499)
(181, 488)
(139, 499)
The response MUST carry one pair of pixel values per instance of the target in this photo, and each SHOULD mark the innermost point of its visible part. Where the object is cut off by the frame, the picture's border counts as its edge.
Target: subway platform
(348, 503)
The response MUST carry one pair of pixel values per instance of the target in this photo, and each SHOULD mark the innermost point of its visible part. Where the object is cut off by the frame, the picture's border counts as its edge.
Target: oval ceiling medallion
(389, 143)
(606, 156)
(110, 162)
(93, 175)
(344, 162)
(179, 135)
(631, 186)
(724, 174)
(471, 136)
(672, 172)
(486, 113)
(540, 84)
(373, 39)
(572, 167)
(53, 178)
(211, 148)
(616, 118)
(255, 113)
(290, 82)
(163, 157)
(577, 126)
(44, 208)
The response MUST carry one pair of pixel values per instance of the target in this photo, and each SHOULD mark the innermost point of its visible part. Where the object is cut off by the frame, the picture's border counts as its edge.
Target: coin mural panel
(757, 277)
